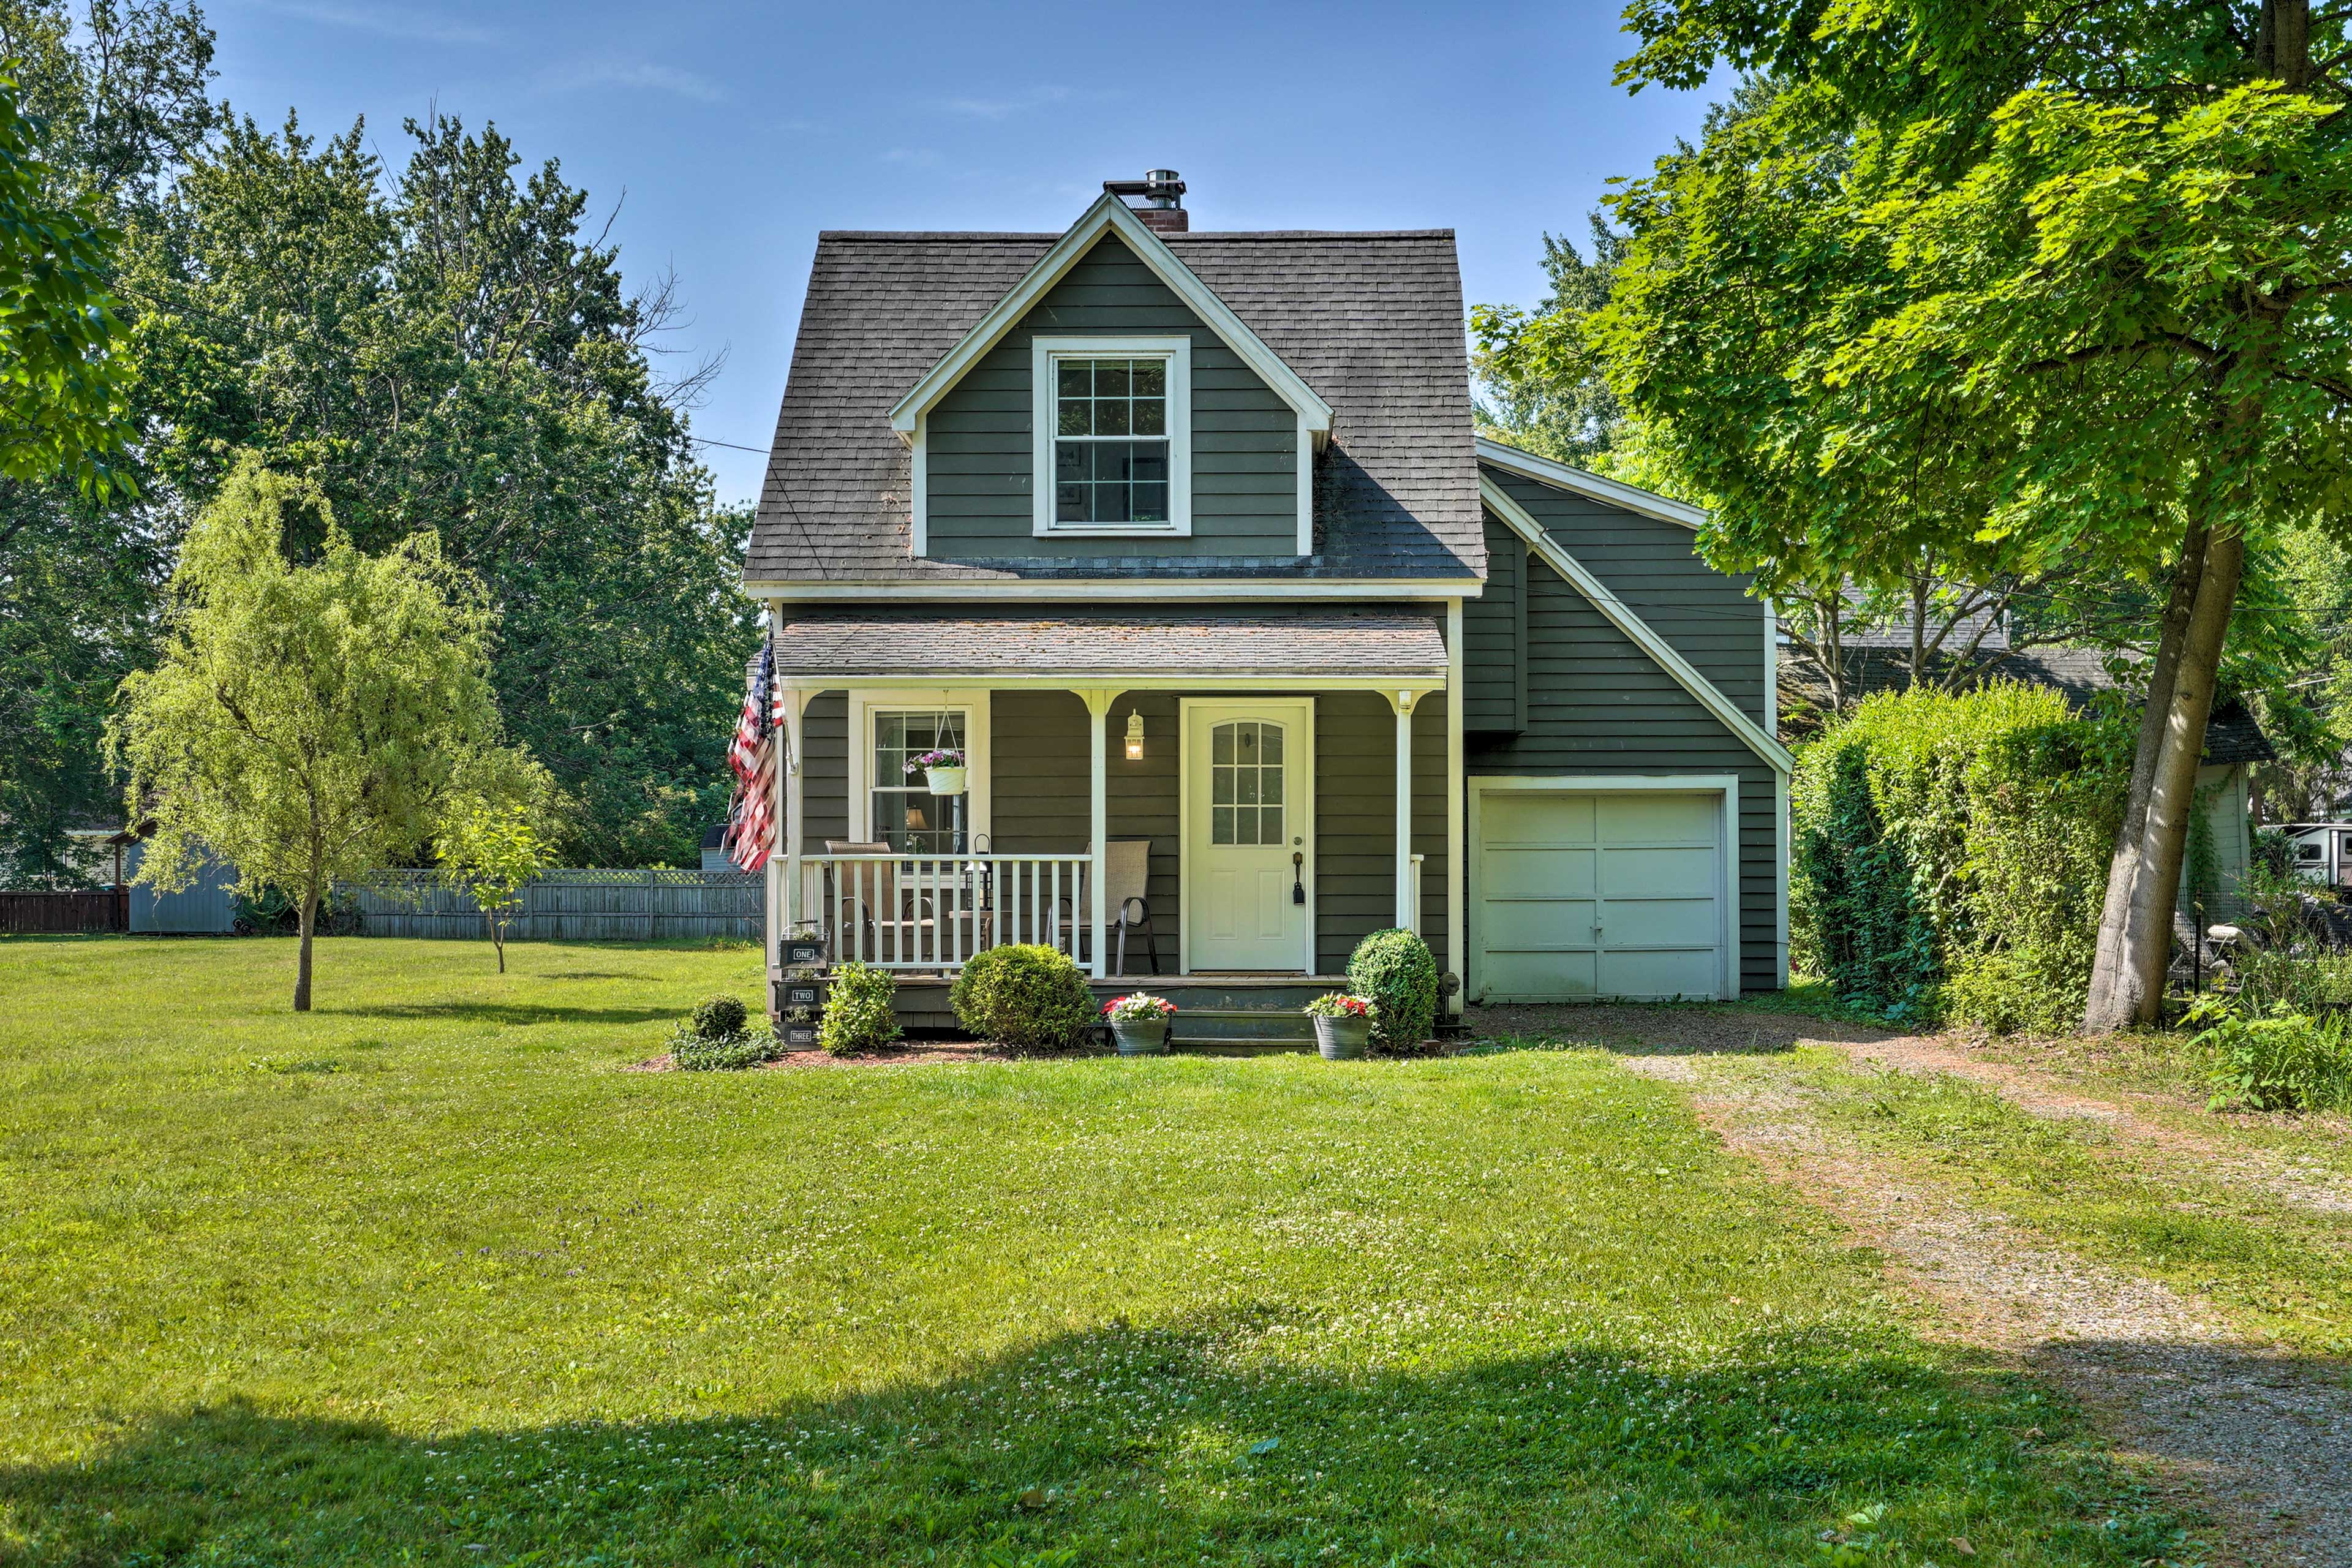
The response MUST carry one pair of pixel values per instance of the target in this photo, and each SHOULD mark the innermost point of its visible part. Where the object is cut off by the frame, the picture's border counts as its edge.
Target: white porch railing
(930, 914)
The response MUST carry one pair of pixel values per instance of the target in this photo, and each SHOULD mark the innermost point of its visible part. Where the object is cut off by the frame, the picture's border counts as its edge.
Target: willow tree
(308, 722)
(2059, 282)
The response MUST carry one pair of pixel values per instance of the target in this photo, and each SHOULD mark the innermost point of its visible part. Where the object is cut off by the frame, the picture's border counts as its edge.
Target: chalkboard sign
(803, 950)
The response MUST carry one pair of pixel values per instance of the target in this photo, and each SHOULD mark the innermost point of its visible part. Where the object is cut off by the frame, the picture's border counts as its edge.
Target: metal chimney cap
(1159, 187)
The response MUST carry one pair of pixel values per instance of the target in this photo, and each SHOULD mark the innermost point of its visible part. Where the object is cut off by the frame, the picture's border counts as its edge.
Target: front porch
(1238, 829)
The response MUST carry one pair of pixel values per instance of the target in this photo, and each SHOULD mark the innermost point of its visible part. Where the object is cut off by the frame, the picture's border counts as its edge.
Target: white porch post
(789, 803)
(1403, 702)
(1456, 842)
(1098, 701)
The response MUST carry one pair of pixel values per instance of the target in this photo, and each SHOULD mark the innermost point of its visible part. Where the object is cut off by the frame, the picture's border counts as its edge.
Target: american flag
(751, 815)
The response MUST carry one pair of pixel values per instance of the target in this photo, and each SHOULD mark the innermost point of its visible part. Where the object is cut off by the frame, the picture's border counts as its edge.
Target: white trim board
(1643, 636)
(906, 690)
(1728, 849)
(1112, 215)
(1176, 349)
(1234, 590)
(1592, 487)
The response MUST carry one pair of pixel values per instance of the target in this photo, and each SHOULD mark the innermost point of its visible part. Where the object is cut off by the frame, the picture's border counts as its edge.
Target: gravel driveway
(2264, 1435)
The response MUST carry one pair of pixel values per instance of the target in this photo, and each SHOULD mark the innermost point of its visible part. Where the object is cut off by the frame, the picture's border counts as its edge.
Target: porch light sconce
(1135, 735)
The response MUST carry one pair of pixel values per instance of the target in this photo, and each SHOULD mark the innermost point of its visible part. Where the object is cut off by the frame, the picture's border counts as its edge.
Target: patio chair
(1125, 879)
(882, 904)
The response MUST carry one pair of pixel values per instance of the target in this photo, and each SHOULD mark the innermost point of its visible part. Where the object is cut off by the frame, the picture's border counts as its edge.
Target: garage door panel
(1514, 976)
(1650, 817)
(1536, 873)
(1649, 873)
(1661, 922)
(1512, 818)
(1538, 924)
(1659, 975)
(1649, 863)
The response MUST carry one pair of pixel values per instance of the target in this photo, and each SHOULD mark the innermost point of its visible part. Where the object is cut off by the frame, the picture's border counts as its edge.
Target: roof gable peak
(1110, 215)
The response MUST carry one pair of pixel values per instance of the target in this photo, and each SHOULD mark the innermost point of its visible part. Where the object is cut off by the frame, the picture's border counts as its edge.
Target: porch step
(1241, 1026)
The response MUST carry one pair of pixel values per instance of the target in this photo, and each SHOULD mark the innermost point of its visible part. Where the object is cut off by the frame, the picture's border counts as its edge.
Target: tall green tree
(309, 722)
(451, 347)
(119, 92)
(1528, 402)
(2067, 281)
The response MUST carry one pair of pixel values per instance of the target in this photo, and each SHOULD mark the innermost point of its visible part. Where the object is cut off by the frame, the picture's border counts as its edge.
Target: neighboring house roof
(841, 642)
(1371, 323)
(2231, 731)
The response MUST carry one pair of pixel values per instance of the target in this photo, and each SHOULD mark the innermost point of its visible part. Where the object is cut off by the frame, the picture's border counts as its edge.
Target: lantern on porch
(1135, 735)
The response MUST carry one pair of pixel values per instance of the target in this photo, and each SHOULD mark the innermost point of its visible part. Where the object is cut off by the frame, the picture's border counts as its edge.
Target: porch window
(1245, 783)
(906, 815)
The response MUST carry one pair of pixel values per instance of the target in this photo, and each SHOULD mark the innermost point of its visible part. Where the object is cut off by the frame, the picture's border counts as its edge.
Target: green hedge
(1950, 852)
(1024, 995)
(1398, 971)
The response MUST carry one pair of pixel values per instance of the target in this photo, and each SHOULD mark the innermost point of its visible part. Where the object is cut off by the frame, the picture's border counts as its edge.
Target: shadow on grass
(513, 1013)
(1664, 1028)
(1132, 1445)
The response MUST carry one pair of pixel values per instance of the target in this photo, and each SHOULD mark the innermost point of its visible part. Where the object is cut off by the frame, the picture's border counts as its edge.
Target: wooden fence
(27, 913)
(569, 906)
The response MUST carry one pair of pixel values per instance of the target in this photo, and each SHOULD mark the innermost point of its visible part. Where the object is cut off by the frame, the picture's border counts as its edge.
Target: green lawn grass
(423, 1278)
(2280, 1267)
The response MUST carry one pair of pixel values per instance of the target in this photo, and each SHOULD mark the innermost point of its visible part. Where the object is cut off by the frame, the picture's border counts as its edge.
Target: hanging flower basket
(943, 771)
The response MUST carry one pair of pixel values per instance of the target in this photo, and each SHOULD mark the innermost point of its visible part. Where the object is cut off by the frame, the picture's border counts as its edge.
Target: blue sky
(731, 134)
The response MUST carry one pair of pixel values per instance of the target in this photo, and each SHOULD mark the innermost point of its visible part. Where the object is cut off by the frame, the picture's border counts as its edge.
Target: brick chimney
(1162, 191)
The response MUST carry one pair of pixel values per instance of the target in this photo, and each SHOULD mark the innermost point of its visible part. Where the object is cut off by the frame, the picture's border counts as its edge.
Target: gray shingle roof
(1371, 322)
(1208, 642)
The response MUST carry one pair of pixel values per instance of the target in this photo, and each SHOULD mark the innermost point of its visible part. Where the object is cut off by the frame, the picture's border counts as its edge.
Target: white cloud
(915, 157)
(652, 78)
(384, 21)
(1005, 108)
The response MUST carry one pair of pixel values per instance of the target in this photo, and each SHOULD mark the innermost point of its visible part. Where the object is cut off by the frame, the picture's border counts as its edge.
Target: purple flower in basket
(934, 760)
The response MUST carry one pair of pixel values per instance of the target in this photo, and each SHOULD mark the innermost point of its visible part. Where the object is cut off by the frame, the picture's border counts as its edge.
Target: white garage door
(1582, 895)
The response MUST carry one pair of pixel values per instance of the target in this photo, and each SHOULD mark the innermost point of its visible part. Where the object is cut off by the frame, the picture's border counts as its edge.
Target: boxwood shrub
(1026, 996)
(857, 1012)
(1398, 971)
(719, 1018)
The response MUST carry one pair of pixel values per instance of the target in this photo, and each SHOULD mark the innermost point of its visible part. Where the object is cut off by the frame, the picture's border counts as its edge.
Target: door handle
(1297, 881)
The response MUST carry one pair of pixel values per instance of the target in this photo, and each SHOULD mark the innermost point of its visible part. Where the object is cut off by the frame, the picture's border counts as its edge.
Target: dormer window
(1114, 449)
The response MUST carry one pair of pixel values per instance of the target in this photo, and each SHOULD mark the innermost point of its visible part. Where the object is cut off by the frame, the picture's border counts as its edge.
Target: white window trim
(972, 702)
(1728, 849)
(1177, 349)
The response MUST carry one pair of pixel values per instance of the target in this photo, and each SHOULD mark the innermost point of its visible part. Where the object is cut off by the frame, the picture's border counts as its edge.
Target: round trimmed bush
(719, 1018)
(1023, 995)
(1398, 971)
(857, 1012)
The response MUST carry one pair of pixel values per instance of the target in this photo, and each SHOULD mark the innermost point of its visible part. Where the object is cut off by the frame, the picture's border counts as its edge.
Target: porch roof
(1209, 643)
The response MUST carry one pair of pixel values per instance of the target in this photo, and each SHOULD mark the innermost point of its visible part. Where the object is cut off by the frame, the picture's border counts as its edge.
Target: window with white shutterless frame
(1113, 418)
(888, 803)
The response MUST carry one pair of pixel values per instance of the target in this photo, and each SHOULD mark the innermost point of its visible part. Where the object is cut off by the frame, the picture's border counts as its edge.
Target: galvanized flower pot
(1343, 1039)
(1140, 1036)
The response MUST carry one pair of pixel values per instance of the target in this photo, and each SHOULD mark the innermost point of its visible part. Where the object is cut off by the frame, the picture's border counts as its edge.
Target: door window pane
(1245, 769)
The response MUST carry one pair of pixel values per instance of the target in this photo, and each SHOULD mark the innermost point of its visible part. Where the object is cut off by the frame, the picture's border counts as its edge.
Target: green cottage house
(1186, 543)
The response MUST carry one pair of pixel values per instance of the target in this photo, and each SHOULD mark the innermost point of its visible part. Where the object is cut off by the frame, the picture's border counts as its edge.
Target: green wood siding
(1597, 704)
(1355, 821)
(1704, 614)
(1494, 634)
(824, 734)
(979, 447)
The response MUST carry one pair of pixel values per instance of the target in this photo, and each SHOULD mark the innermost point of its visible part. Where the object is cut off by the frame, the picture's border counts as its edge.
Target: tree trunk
(2123, 865)
(2143, 942)
(302, 959)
